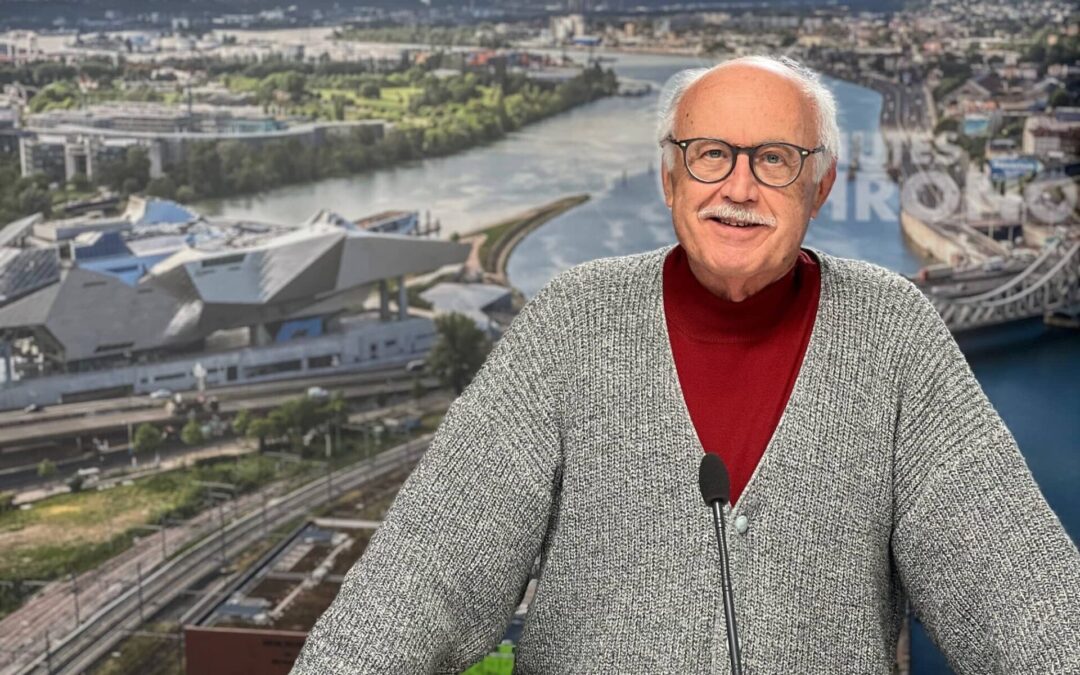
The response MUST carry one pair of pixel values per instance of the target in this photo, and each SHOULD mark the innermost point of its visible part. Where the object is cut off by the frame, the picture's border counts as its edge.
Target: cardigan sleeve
(986, 564)
(437, 586)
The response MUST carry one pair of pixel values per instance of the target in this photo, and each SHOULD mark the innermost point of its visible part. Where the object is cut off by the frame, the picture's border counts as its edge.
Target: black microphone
(716, 491)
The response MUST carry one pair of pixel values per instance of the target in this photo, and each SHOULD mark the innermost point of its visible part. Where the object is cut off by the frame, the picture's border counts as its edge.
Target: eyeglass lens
(775, 164)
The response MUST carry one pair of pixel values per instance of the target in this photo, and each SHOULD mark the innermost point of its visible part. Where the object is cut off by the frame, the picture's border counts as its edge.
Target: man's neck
(736, 289)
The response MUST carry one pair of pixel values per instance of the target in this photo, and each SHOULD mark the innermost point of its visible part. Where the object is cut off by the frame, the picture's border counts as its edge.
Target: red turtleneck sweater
(737, 361)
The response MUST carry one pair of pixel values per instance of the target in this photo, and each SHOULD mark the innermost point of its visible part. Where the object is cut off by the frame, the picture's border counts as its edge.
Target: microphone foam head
(713, 480)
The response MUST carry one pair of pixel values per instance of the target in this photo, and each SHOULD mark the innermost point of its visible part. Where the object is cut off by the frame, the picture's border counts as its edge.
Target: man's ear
(823, 189)
(666, 182)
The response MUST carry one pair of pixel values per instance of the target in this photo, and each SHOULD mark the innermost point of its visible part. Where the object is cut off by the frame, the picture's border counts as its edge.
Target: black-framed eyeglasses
(711, 160)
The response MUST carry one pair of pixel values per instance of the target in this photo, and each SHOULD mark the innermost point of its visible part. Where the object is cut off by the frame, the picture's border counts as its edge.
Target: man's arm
(441, 578)
(987, 565)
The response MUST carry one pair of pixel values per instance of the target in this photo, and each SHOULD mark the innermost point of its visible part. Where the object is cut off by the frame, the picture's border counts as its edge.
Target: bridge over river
(1014, 290)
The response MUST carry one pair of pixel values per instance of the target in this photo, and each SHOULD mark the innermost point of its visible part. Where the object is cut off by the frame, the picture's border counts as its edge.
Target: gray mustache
(735, 213)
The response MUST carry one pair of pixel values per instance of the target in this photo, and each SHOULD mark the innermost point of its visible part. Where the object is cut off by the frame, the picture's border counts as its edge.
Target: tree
(46, 469)
(335, 410)
(459, 352)
(241, 421)
(290, 82)
(185, 193)
(164, 187)
(192, 433)
(80, 183)
(370, 90)
(33, 199)
(258, 429)
(338, 103)
(147, 438)
(129, 173)
(55, 95)
(1060, 98)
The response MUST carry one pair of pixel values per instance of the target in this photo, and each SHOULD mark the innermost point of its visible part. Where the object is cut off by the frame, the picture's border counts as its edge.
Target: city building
(128, 304)
(19, 47)
(63, 143)
(566, 28)
(1046, 135)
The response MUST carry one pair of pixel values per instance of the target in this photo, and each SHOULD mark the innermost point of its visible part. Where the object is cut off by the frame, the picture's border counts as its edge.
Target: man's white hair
(828, 130)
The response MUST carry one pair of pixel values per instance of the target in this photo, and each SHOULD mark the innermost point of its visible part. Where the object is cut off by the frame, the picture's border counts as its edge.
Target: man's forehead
(747, 105)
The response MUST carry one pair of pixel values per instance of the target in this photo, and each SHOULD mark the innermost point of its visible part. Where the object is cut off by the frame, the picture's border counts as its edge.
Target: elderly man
(866, 463)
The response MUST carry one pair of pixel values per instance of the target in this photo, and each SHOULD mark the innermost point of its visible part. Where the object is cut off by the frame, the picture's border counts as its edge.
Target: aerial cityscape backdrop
(250, 254)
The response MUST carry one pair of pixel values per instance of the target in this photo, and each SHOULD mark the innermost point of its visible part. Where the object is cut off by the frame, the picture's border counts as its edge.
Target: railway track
(96, 636)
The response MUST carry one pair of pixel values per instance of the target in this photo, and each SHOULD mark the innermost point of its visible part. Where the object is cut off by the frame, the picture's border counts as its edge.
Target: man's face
(744, 105)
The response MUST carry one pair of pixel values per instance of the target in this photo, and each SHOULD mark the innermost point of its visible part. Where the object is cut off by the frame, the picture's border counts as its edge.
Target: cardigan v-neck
(737, 361)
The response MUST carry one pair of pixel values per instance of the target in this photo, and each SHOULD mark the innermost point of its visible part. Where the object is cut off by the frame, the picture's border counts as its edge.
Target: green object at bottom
(499, 662)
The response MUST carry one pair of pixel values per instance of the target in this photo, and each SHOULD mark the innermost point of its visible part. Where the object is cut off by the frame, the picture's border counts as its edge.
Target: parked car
(33, 408)
(415, 365)
(160, 394)
(90, 476)
(317, 392)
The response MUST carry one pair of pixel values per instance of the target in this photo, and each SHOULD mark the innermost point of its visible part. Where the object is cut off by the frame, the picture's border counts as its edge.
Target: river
(1030, 373)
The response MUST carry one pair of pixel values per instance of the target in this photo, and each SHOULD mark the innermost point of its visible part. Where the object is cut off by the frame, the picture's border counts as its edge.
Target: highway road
(26, 476)
(69, 423)
(11, 419)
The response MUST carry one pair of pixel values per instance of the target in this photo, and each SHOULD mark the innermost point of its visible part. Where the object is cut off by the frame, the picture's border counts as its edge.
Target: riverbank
(490, 251)
(409, 116)
(500, 239)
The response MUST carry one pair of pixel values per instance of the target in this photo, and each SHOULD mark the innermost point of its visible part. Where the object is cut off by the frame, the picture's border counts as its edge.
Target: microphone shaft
(729, 598)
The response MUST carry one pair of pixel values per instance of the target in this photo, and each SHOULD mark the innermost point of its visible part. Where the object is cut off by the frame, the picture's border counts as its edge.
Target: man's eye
(773, 158)
(715, 154)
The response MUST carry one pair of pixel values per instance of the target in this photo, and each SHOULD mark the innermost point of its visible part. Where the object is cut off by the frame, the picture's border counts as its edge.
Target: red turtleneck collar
(737, 361)
(701, 315)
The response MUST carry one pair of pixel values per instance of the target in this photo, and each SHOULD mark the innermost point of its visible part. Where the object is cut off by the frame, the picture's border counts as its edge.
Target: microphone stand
(729, 598)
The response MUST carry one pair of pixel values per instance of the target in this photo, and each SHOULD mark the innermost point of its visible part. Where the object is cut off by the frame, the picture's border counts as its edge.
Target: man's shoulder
(861, 273)
(868, 290)
(605, 281)
(850, 276)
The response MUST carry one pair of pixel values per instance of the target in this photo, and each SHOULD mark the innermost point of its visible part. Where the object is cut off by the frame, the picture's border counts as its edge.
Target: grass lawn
(240, 83)
(77, 531)
(391, 99)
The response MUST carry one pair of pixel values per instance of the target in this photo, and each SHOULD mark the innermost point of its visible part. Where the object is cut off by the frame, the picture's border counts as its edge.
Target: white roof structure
(217, 275)
(469, 299)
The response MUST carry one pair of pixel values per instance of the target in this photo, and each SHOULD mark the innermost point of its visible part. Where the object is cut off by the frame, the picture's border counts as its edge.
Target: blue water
(1030, 373)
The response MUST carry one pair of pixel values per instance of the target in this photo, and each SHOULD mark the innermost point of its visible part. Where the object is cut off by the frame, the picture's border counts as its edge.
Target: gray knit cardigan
(889, 474)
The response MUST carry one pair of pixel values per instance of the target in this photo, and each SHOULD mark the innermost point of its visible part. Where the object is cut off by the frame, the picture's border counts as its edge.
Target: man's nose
(740, 185)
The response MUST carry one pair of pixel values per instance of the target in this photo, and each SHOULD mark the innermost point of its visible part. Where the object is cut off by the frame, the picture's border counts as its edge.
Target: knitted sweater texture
(890, 475)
